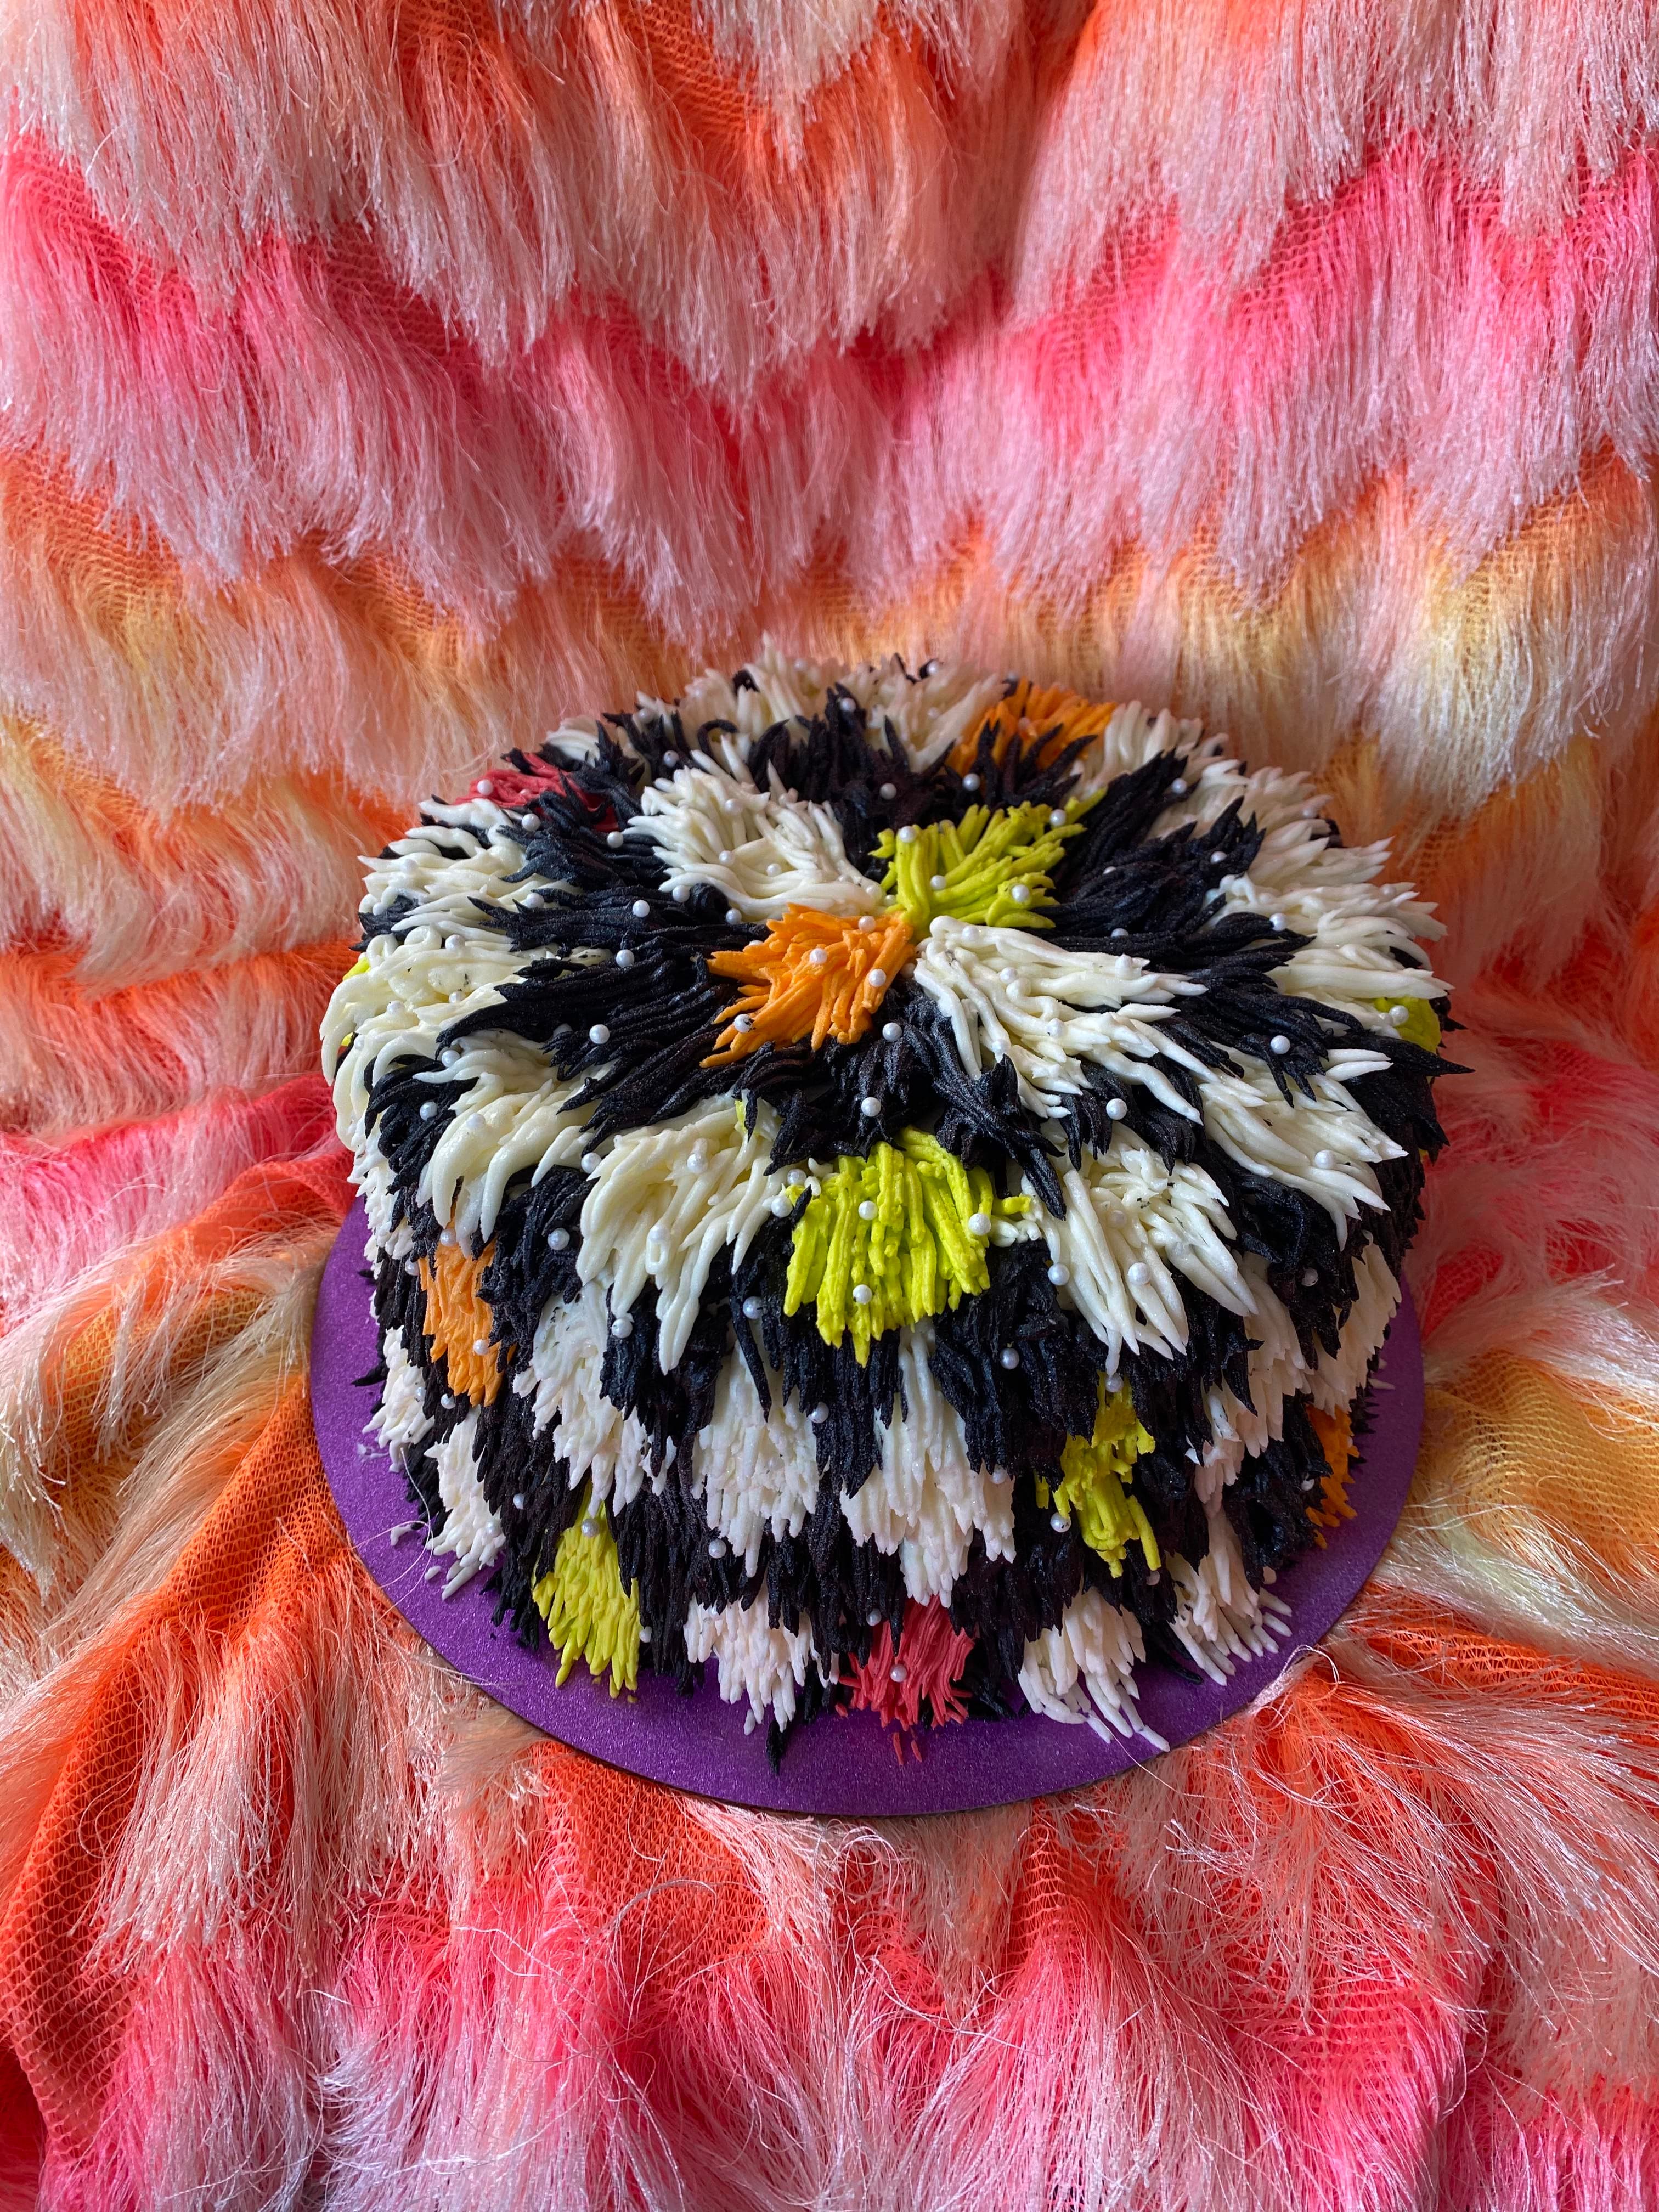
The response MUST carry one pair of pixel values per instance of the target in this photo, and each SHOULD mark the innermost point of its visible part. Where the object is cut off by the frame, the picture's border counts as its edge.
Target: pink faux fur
(382, 383)
(1401, 329)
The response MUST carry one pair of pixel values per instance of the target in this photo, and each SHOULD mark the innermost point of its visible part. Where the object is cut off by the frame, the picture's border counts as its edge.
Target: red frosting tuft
(932, 1654)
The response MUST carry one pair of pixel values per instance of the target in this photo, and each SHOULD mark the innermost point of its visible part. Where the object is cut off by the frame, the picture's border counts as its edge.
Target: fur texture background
(378, 383)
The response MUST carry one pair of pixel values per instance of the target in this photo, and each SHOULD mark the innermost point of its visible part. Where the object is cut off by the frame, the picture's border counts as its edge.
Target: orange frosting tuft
(457, 1318)
(1047, 715)
(1335, 1435)
(790, 991)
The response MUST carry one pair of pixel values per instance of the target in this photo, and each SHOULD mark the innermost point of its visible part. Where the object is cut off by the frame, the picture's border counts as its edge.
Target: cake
(884, 1190)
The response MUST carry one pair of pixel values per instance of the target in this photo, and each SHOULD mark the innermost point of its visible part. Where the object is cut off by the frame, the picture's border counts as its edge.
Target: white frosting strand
(1083, 1670)
(756, 1664)
(665, 1199)
(470, 1532)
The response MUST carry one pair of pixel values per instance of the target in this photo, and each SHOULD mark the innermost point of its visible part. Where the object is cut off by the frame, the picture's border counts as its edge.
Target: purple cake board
(840, 1763)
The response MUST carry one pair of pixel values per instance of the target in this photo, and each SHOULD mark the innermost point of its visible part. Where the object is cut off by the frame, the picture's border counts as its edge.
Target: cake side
(893, 1185)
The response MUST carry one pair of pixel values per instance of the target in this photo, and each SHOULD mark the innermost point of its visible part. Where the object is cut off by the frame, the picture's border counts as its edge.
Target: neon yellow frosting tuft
(1421, 1024)
(588, 1615)
(915, 1252)
(1094, 1470)
(995, 866)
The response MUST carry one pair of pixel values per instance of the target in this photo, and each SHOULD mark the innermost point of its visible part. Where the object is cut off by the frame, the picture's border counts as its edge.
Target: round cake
(891, 1184)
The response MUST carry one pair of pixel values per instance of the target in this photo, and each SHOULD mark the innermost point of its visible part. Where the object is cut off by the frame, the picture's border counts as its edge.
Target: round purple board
(840, 1764)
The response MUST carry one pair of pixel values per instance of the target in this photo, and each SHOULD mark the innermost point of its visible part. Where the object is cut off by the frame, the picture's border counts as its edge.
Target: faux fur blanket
(380, 382)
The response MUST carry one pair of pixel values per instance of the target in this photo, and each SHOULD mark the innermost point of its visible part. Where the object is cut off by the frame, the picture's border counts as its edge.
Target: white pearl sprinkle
(1278, 921)
(1117, 1110)
(520, 1501)
(671, 760)
(909, 834)
(1020, 894)
(599, 1034)
(892, 1031)
(411, 1267)
(534, 900)
(1324, 1159)
(970, 783)
(590, 1164)
(782, 1204)
(623, 1326)
(1059, 1273)
(743, 1023)
(613, 838)
(1280, 1044)
(480, 1346)
(862, 1294)
(452, 943)
(1218, 860)
(730, 806)
(559, 1240)
(869, 1107)
(447, 1401)
(866, 921)
(890, 791)
(1057, 818)
(866, 1209)
(897, 1671)
(717, 1548)
(1179, 786)
(590, 1528)
(1058, 1523)
(1399, 1016)
(751, 1309)
(1119, 932)
(872, 1618)
(682, 892)
(485, 787)
(878, 979)
(1140, 1273)
(936, 883)
(819, 1415)
(645, 1635)
(817, 957)
(733, 913)
(1309, 1277)
(641, 909)
(979, 1225)
(624, 958)
(429, 1110)
(1008, 1357)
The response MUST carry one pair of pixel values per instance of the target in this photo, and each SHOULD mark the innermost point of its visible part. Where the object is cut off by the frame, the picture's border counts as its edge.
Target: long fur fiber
(379, 386)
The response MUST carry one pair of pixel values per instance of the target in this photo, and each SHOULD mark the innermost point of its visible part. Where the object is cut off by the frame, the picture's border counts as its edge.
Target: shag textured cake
(893, 1184)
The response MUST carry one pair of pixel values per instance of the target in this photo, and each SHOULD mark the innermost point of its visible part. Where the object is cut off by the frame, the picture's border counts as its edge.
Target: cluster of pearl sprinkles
(891, 1184)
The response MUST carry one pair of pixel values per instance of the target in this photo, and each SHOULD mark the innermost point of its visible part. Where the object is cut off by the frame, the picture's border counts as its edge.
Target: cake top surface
(887, 1182)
